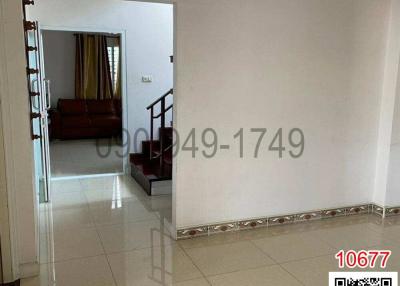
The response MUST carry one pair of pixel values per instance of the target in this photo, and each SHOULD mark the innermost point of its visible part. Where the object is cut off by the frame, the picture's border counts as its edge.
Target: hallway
(82, 157)
(107, 231)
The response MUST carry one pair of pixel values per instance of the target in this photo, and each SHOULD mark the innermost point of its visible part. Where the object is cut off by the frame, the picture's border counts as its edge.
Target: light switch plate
(147, 78)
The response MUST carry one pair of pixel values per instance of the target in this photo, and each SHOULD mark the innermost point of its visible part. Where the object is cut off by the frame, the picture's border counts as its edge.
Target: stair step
(167, 156)
(167, 132)
(149, 171)
(146, 170)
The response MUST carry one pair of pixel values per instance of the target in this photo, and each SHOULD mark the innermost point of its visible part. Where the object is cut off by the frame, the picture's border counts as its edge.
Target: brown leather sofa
(80, 119)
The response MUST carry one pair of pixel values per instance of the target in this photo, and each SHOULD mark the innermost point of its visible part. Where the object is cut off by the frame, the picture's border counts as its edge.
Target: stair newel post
(162, 132)
(151, 131)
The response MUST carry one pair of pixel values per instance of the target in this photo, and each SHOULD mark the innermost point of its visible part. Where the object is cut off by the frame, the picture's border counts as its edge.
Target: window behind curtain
(113, 50)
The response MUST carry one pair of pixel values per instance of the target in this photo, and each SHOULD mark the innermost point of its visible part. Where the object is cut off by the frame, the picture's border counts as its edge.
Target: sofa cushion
(72, 106)
(118, 107)
(107, 121)
(78, 121)
(100, 106)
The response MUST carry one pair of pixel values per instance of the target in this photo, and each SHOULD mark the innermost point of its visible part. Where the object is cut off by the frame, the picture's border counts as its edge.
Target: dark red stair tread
(152, 169)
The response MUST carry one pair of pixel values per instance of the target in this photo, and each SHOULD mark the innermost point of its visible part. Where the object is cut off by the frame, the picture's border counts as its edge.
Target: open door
(39, 92)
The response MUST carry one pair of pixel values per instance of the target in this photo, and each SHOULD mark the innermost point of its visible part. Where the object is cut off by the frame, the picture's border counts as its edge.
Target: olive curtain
(92, 69)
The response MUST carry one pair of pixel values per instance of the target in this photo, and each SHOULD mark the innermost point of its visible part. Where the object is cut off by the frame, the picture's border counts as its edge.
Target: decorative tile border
(287, 219)
(218, 228)
(192, 232)
(250, 224)
(278, 220)
(307, 216)
(333, 212)
(392, 211)
(362, 209)
(378, 210)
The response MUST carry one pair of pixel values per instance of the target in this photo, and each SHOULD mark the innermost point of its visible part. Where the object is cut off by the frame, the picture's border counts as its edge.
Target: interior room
(83, 78)
(110, 98)
(259, 142)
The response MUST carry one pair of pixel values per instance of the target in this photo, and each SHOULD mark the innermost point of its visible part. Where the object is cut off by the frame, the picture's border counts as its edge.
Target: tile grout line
(291, 274)
(195, 265)
(230, 272)
(106, 256)
(139, 248)
(71, 259)
(276, 262)
(245, 269)
(99, 237)
(86, 206)
(263, 252)
(305, 259)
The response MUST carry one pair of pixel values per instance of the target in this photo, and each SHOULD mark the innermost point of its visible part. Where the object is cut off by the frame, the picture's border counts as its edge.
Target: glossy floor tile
(152, 266)
(283, 248)
(229, 257)
(66, 219)
(351, 237)
(84, 157)
(63, 187)
(271, 275)
(313, 271)
(68, 244)
(107, 232)
(121, 213)
(92, 271)
(131, 236)
(195, 282)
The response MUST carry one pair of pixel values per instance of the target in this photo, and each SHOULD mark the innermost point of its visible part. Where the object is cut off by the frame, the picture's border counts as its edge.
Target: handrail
(171, 91)
(161, 115)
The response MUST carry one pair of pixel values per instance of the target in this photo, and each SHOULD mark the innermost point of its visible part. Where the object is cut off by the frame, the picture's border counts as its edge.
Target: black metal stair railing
(163, 110)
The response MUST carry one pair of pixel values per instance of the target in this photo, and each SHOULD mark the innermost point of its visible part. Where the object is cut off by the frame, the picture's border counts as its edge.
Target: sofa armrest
(55, 123)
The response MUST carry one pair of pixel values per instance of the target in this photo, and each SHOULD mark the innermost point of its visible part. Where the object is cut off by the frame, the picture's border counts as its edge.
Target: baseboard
(206, 230)
(28, 270)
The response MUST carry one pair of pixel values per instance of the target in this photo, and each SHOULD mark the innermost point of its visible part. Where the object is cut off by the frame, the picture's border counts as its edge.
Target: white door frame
(15, 119)
(5, 239)
(15, 88)
(124, 96)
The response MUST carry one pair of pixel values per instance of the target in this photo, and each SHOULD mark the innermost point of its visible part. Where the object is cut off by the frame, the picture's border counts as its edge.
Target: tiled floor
(85, 157)
(106, 231)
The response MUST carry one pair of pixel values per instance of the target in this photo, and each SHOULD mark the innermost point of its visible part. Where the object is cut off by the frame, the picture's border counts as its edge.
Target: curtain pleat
(79, 67)
(92, 69)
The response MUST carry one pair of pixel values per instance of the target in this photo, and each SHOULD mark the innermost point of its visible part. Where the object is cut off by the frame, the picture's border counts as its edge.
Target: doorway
(87, 218)
(84, 73)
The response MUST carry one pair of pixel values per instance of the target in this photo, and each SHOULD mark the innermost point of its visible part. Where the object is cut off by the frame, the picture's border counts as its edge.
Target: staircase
(154, 163)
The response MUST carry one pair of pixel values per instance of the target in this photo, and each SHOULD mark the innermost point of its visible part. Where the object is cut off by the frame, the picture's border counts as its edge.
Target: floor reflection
(108, 232)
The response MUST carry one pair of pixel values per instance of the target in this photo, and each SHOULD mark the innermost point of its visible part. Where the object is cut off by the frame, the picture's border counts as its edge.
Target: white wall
(149, 42)
(396, 119)
(59, 59)
(315, 64)
(393, 181)
(387, 103)
(17, 142)
(5, 242)
(5, 239)
(393, 184)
